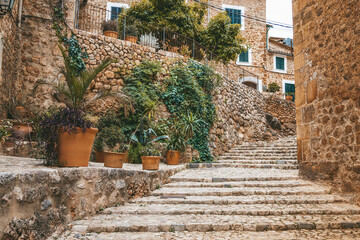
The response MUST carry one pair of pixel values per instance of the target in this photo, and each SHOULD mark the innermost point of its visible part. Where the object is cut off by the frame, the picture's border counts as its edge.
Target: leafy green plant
(273, 87)
(149, 150)
(188, 94)
(110, 25)
(110, 139)
(224, 38)
(290, 94)
(145, 137)
(134, 153)
(5, 130)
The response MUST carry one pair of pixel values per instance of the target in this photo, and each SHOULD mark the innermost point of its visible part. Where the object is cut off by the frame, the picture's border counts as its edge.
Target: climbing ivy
(189, 90)
(76, 54)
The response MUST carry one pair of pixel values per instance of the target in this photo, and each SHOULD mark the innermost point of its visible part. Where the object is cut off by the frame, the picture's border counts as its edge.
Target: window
(114, 9)
(244, 58)
(236, 14)
(280, 64)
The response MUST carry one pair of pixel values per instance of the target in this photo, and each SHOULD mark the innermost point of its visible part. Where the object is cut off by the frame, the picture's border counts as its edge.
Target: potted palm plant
(143, 140)
(182, 130)
(74, 135)
(289, 96)
(110, 28)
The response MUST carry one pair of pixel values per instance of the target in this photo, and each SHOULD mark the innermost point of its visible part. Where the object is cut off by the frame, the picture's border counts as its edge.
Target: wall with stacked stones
(10, 41)
(38, 201)
(327, 91)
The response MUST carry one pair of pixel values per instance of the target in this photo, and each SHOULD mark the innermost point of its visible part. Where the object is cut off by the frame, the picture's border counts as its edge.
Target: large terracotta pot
(173, 157)
(21, 129)
(131, 39)
(114, 160)
(289, 98)
(112, 34)
(150, 162)
(74, 149)
(99, 157)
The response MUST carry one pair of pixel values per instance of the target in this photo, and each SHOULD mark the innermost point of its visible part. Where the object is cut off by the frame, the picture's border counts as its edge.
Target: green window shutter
(115, 11)
(244, 57)
(235, 15)
(280, 63)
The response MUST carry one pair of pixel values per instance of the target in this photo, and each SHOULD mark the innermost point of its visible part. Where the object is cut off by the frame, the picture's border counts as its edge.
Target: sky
(280, 11)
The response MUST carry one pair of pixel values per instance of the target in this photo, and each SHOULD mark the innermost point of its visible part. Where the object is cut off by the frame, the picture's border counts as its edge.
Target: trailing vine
(76, 54)
(190, 90)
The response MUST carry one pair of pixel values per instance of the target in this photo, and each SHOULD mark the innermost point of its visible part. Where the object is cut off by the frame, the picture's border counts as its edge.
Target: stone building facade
(327, 74)
(259, 60)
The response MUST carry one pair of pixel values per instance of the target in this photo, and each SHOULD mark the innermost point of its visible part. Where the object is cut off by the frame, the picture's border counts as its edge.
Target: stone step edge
(245, 179)
(208, 227)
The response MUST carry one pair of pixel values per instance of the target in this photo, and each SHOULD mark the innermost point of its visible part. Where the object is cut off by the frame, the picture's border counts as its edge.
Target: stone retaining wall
(36, 201)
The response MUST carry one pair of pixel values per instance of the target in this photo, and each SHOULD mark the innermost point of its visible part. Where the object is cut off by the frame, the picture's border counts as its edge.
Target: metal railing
(90, 18)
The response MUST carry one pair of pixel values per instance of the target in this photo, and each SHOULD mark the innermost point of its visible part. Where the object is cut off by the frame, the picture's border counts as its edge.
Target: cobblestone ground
(252, 192)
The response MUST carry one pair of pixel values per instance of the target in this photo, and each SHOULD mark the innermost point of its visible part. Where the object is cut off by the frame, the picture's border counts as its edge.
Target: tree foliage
(224, 38)
(176, 15)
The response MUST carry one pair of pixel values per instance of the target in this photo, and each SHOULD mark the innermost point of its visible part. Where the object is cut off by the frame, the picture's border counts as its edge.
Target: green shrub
(149, 150)
(134, 153)
(273, 87)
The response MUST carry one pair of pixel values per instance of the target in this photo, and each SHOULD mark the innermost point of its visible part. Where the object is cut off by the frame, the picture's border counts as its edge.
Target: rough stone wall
(9, 56)
(283, 110)
(35, 203)
(240, 116)
(327, 91)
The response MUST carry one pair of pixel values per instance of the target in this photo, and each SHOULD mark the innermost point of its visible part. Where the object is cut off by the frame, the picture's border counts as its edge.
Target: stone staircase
(281, 154)
(265, 199)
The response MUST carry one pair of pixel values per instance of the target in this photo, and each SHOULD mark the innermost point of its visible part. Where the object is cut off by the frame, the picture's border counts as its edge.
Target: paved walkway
(252, 192)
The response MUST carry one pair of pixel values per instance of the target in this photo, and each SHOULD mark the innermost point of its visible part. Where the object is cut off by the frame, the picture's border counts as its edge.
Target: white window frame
(113, 4)
(224, 6)
(245, 63)
(285, 64)
(283, 85)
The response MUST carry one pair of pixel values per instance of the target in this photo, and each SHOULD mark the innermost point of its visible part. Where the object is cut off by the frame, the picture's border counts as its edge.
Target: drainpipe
(268, 27)
(20, 12)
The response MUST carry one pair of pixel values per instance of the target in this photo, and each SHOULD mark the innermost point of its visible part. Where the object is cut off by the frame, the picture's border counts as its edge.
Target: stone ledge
(37, 200)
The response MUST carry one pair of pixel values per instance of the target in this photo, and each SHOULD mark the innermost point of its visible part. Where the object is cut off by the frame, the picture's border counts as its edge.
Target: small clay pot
(21, 130)
(131, 39)
(114, 160)
(99, 157)
(112, 34)
(150, 162)
(289, 98)
(172, 157)
(74, 148)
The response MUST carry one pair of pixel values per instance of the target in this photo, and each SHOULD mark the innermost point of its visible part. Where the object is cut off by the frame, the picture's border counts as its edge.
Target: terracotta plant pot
(150, 162)
(131, 39)
(173, 157)
(74, 149)
(21, 129)
(112, 34)
(289, 98)
(114, 160)
(99, 157)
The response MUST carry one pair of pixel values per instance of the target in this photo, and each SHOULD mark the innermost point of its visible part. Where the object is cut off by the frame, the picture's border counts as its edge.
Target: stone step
(260, 151)
(293, 148)
(230, 179)
(244, 200)
(294, 162)
(349, 234)
(250, 210)
(261, 154)
(205, 223)
(257, 157)
(244, 191)
(264, 184)
(239, 165)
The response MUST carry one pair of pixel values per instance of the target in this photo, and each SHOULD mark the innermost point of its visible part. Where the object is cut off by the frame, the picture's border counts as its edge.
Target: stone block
(300, 95)
(311, 91)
